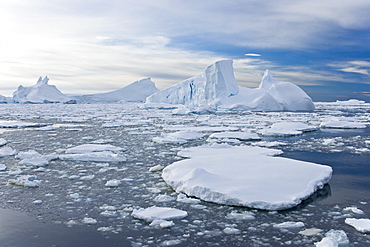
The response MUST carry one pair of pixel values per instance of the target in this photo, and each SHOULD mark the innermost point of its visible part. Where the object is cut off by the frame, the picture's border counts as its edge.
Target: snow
(361, 225)
(327, 242)
(242, 136)
(42, 92)
(158, 213)
(289, 224)
(342, 123)
(245, 176)
(287, 129)
(216, 88)
(178, 137)
(137, 91)
(89, 148)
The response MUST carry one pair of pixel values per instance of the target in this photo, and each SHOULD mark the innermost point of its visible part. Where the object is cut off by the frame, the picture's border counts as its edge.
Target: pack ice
(42, 92)
(135, 92)
(245, 176)
(217, 88)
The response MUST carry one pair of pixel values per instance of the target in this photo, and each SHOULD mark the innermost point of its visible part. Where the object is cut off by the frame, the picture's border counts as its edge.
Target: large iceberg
(42, 92)
(245, 176)
(135, 92)
(216, 88)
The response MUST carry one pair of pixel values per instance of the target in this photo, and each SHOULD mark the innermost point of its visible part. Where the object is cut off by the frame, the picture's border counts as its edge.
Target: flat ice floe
(178, 137)
(159, 216)
(245, 176)
(361, 225)
(342, 124)
(94, 152)
(88, 148)
(287, 129)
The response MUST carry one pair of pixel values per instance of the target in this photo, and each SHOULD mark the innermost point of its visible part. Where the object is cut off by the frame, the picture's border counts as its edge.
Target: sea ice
(361, 225)
(339, 235)
(113, 183)
(3, 142)
(26, 181)
(242, 136)
(178, 137)
(159, 213)
(88, 148)
(327, 242)
(2, 167)
(7, 151)
(245, 176)
(342, 123)
(105, 156)
(289, 224)
(287, 129)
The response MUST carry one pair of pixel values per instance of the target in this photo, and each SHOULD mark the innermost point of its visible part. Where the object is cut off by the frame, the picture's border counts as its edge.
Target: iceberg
(245, 176)
(137, 91)
(216, 88)
(42, 92)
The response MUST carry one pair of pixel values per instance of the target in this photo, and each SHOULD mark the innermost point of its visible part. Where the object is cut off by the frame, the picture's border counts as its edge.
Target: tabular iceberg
(216, 88)
(42, 92)
(245, 176)
(135, 92)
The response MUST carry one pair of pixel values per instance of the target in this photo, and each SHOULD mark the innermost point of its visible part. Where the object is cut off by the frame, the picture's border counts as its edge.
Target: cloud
(252, 55)
(357, 66)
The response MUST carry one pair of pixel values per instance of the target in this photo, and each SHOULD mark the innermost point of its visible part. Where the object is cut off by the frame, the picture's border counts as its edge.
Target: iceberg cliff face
(135, 92)
(42, 92)
(216, 88)
(212, 87)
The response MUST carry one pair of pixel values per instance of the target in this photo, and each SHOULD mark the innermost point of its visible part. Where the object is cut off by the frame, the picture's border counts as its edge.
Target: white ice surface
(287, 129)
(245, 176)
(178, 137)
(135, 92)
(42, 92)
(159, 213)
(217, 88)
(105, 156)
(89, 148)
(361, 225)
(242, 136)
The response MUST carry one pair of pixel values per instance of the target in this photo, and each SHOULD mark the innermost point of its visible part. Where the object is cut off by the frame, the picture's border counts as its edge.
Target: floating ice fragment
(354, 210)
(75, 196)
(327, 242)
(109, 213)
(178, 137)
(361, 225)
(163, 198)
(231, 230)
(2, 167)
(7, 151)
(162, 223)
(105, 156)
(310, 232)
(287, 129)
(26, 181)
(339, 235)
(37, 202)
(242, 136)
(245, 176)
(245, 215)
(155, 213)
(184, 199)
(3, 142)
(87, 177)
(89, 221)
(88, 148)
(289, 224)
(113, 183)
(156, 168)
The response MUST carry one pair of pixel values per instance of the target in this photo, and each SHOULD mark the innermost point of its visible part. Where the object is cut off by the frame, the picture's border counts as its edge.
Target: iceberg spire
(267, 80)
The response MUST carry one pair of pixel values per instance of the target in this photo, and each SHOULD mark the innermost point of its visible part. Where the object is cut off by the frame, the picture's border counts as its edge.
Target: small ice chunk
(163, 198)
(87, 177)
(287, 129)
(2, 167)
(327, 242)
(310, 232)
(105, 156)
(354, 210)
(75, 196)
(37, 202)
(289, 224)
(184, 199)
(245, 215)
(108, 213)
(113, 183)
(156, 168)
(89, 221)
(155, 213)
(26, 181)
(242, 136)
(3, 142)
(339, 235)
(105, 229)
(162, 223)
(361, 225)
(178, 137)
(88, 148)
(231, 230)
(7, 151)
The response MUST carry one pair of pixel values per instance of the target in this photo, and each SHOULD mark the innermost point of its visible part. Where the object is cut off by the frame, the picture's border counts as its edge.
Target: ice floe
(159, 213)
(94, 152)
(287, 129)
(245, 176)
(178, 137)
(361, 225)
(26, 181)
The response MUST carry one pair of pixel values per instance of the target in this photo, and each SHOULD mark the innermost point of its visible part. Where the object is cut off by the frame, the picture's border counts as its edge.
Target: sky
(91, 46)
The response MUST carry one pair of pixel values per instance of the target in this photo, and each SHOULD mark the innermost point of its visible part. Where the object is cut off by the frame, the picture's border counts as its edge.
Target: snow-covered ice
(159, 213)
(42, 92)
(89, 148)
(287, 129)
(135, 92)
(245, 176)
(217, 88)
(361, 225)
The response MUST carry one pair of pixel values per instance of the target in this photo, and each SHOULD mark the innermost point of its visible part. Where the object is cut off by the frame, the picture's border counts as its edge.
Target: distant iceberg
(216, 88)
(135, 92)
(42, 92)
